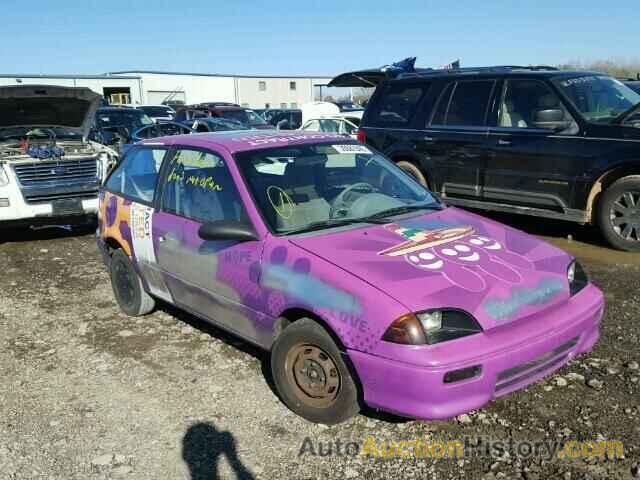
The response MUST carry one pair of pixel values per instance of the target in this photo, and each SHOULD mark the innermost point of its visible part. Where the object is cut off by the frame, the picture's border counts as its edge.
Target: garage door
(156, 97)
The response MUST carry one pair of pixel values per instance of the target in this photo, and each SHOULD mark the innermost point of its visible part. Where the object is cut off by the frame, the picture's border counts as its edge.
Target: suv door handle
(429, 139)
(504, 143)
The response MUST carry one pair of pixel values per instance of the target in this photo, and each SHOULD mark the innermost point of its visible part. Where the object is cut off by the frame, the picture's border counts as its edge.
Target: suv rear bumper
(420, 392)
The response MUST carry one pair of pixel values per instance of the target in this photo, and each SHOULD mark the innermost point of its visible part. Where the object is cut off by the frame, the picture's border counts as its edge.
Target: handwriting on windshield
(205, 182)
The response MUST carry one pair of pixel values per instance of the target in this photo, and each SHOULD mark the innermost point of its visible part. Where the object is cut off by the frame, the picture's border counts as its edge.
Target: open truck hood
(452, 259)
(47, 106)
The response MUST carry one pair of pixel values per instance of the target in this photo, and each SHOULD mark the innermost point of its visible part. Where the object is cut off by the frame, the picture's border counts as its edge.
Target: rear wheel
(127, 286)
(311, 376)
(413, 170)
(619, 214)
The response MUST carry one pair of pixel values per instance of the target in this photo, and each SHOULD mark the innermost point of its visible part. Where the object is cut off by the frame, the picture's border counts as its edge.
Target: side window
(199, 186)
(532, 104)
(313, 126)
(136, 176)
(398, 103)
(468, 104)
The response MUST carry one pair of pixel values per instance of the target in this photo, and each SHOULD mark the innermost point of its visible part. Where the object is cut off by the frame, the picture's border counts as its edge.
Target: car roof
(247, 140)
(117, 109)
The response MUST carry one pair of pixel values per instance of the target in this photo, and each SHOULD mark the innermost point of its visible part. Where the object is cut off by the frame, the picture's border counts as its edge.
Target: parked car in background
(341, 125)
(164, 129)
(50, 172)
(114, 125)
(212, 124)
(287, 119)
(188, 114)
(224, 110)
(633, 85)
(158, 113)
(348, 106)
(361, 283)
(530, 140)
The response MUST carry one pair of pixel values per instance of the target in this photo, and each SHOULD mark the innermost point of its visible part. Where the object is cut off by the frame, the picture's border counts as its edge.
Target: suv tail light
(362, 137)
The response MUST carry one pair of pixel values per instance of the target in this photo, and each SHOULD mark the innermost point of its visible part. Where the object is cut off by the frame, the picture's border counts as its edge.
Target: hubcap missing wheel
(313, 374)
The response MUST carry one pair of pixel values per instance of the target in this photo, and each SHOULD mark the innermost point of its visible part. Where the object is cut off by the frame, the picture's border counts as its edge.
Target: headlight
(577, 277)
(431, 327)
(4, 178)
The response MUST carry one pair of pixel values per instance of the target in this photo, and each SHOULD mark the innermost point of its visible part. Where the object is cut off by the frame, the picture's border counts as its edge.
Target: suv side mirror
(227, 230)
(552, 119)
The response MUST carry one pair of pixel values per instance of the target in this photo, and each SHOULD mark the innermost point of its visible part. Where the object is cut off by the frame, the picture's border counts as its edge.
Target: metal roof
(159, 72)
(103, 76)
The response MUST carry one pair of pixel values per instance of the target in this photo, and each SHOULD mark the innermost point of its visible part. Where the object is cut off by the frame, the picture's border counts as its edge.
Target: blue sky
(307, 37)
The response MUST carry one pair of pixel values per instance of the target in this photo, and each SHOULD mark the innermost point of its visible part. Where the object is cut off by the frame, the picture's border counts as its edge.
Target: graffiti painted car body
(290, 240)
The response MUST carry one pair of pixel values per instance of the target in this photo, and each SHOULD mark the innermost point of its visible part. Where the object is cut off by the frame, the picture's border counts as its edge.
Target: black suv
(532, 140)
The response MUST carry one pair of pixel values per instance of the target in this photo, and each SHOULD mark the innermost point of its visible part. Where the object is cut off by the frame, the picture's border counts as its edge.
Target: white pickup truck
(50, 173)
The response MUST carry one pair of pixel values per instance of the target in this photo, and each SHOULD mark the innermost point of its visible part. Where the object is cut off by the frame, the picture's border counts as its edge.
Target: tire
(127, 286)
(414, 171)
(331, 396)
(618, 214)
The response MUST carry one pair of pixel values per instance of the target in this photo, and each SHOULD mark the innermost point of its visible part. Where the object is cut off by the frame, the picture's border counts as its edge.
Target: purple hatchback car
(364, 286)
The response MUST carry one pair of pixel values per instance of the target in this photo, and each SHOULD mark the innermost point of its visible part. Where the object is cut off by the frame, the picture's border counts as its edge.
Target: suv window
(526, 103)
(136, 176)
(199, 186)
(467, 106)
(398, 103)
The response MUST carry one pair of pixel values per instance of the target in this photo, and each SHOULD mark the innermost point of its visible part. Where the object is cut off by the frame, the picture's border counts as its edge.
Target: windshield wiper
(332, 222)
(403, 209)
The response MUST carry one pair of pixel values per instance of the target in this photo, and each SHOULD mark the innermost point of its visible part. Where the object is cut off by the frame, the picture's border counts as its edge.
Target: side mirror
(552, 119)
(227, 230)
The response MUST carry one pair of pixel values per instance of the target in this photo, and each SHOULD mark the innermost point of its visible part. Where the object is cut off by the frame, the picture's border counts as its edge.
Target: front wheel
(619, 214)
(311, 376)
(127, 287)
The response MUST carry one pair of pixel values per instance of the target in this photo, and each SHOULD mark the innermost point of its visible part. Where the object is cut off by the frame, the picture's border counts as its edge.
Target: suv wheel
(127, 287)
(619, 214)
(311, 376)
(414, 171)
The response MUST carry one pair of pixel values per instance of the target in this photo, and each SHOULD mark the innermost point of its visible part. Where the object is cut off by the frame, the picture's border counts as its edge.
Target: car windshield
(599, 98)
(122, 118)
(237, 115)
(316, 186)
(254, 118)
(13, 133)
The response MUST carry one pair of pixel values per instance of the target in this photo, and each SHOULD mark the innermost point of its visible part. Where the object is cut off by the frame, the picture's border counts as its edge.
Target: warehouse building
(154, 87)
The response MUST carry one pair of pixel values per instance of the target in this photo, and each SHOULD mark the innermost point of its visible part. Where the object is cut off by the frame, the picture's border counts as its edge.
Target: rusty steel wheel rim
(313, 374)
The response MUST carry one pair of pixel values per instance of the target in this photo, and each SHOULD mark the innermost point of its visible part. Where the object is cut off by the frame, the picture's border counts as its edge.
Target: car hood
(48, 106)
(452, 259)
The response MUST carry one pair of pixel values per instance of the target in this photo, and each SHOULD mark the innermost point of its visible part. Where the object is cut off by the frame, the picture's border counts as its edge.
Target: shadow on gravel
(45, 233)
(202, 447)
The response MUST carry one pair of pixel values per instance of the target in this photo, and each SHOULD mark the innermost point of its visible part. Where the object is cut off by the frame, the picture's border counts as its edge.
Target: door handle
(428, 139)
(504, 143)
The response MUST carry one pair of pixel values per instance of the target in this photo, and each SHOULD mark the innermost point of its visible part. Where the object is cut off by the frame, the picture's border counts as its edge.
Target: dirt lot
(89, 393)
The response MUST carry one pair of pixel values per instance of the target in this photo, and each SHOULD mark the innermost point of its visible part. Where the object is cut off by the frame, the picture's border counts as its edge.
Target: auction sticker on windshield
(351, 148)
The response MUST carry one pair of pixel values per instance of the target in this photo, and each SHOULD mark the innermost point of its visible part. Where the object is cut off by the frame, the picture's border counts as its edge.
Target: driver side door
(213, 279)
(528, 164)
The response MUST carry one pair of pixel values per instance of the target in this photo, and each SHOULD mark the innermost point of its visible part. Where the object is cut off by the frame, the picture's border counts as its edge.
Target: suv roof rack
(494, 69)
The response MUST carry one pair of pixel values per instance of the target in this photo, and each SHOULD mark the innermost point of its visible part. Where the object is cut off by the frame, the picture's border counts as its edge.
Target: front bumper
(15, 211)
(420, 392)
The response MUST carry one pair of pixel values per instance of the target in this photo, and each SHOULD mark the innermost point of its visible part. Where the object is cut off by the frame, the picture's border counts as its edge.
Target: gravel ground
(90, 393)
